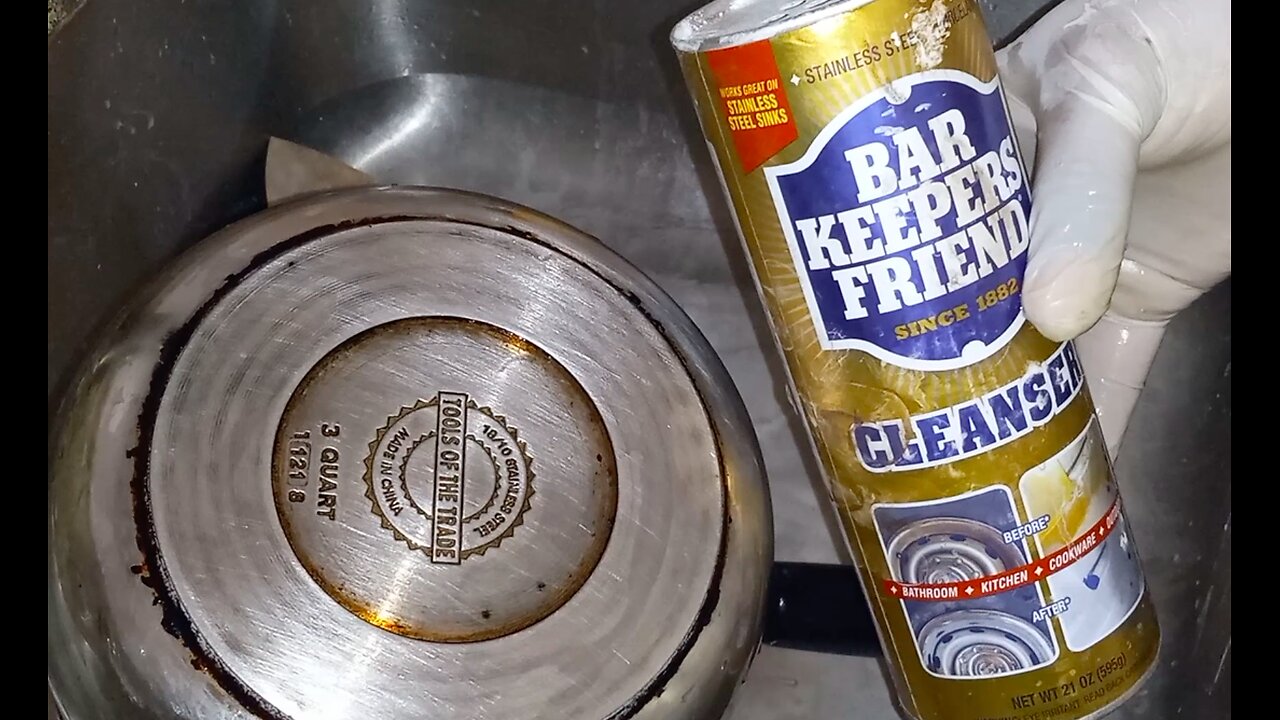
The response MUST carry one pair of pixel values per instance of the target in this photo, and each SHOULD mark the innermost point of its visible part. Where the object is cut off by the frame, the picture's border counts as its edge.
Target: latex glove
(1123, 108)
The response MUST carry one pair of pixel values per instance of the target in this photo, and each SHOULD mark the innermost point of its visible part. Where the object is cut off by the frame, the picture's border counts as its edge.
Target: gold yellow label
(880, 192)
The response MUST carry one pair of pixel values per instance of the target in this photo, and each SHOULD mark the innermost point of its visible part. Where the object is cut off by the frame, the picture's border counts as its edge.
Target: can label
(976, 425)
(878, 186)
(971, 586)
(907, 211)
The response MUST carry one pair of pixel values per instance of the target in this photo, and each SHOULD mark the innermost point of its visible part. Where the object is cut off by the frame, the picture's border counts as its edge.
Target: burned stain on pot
(658, 684)
(151, 570)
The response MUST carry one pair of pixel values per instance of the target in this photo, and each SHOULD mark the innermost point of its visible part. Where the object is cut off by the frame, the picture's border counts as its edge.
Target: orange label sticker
(754, 101)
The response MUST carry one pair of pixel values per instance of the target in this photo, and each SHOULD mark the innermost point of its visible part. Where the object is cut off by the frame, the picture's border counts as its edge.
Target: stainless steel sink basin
(159, 115)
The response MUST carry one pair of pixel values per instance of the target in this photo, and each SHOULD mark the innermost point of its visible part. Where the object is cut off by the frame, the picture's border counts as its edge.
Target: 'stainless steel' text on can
(868, 153)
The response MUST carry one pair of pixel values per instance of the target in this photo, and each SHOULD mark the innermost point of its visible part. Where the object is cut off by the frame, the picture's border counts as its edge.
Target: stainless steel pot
(387, 452)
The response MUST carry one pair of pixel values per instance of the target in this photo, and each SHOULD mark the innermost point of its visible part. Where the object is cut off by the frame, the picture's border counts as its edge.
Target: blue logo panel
(908, 223)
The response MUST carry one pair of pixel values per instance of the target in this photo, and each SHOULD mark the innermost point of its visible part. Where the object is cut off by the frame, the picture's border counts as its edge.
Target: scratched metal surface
(158, 119)
(629, 530)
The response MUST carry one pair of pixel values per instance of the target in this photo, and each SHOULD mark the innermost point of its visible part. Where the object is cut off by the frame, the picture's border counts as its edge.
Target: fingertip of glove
(1064, 299)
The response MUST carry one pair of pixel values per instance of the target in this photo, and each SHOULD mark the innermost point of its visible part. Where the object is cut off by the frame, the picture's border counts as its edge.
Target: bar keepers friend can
(869, 156)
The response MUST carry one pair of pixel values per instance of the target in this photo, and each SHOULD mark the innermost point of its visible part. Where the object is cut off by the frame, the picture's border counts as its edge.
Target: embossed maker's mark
(299, 462)
(450, 476)
(424, 504)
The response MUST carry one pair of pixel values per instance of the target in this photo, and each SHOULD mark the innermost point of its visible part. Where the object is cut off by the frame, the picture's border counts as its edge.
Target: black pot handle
(820, 608)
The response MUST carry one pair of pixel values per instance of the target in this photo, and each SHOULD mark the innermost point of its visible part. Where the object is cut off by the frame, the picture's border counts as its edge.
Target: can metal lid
(427, 452)
(728, 23)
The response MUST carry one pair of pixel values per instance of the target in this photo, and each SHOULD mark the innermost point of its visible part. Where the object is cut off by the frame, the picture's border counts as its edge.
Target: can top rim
(728, 23)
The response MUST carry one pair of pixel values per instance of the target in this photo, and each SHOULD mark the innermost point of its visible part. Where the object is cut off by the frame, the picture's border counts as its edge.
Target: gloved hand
(1123, 110)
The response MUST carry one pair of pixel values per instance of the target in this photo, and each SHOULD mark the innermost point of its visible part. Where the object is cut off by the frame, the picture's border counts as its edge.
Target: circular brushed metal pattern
(420, 518)
(407, 452)
(216, 430)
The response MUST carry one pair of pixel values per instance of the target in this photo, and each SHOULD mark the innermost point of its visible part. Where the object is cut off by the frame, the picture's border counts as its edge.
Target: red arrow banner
(1016, 577)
